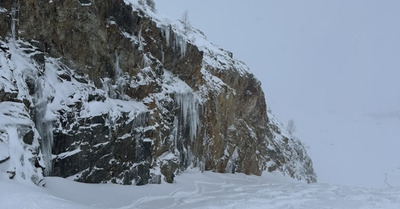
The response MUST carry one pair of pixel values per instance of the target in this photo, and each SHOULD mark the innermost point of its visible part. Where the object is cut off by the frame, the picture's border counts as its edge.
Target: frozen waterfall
(44, 127)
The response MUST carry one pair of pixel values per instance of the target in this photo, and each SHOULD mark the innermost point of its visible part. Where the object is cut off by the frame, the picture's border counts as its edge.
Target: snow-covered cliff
(108, 91)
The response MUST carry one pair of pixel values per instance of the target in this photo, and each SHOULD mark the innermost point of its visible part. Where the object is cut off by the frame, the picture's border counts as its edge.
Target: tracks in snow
(232, 192)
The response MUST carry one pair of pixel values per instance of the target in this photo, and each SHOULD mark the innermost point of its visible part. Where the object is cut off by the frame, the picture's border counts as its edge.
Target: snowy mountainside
(137, 102)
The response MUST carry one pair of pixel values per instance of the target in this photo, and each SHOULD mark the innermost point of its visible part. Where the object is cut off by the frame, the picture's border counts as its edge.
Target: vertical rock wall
(144, 99)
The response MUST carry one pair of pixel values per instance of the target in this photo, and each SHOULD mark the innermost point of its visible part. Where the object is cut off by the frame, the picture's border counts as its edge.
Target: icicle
(140, 40)
(175, 133)
(118, 79)
(108, 88)
(166, 30)
(180, 44)
(118, 72)
(14, 19)
(179, 41)
(115, 86)
(189, 113)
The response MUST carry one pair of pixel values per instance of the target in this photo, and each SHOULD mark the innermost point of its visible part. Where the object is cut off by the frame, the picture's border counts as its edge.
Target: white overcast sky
(332, 66)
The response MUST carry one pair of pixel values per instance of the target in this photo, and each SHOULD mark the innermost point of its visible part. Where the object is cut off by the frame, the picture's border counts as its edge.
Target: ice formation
(189, 113)
(180, 44)
(43, 125)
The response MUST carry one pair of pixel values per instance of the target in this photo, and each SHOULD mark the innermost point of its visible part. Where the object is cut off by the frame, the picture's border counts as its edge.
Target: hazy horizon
(331, 66)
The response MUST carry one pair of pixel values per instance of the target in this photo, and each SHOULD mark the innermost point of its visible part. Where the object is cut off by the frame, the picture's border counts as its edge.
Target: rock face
(106, 91)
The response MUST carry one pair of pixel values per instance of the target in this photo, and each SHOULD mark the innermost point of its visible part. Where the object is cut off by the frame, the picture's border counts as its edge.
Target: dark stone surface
(29, 137)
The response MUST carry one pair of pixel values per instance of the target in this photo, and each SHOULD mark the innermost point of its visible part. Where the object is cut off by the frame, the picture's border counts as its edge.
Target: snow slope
(197, 190)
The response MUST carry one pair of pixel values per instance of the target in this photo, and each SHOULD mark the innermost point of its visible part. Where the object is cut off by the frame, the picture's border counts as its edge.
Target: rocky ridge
(108, 91)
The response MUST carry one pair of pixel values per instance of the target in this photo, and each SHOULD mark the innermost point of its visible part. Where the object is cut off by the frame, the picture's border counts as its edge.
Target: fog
(331, 66)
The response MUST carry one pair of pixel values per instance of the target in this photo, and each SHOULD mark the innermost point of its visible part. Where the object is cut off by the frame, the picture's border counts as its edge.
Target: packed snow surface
(193, 189)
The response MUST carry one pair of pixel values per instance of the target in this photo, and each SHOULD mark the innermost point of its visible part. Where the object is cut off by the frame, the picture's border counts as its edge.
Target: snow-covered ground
(193, 189)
